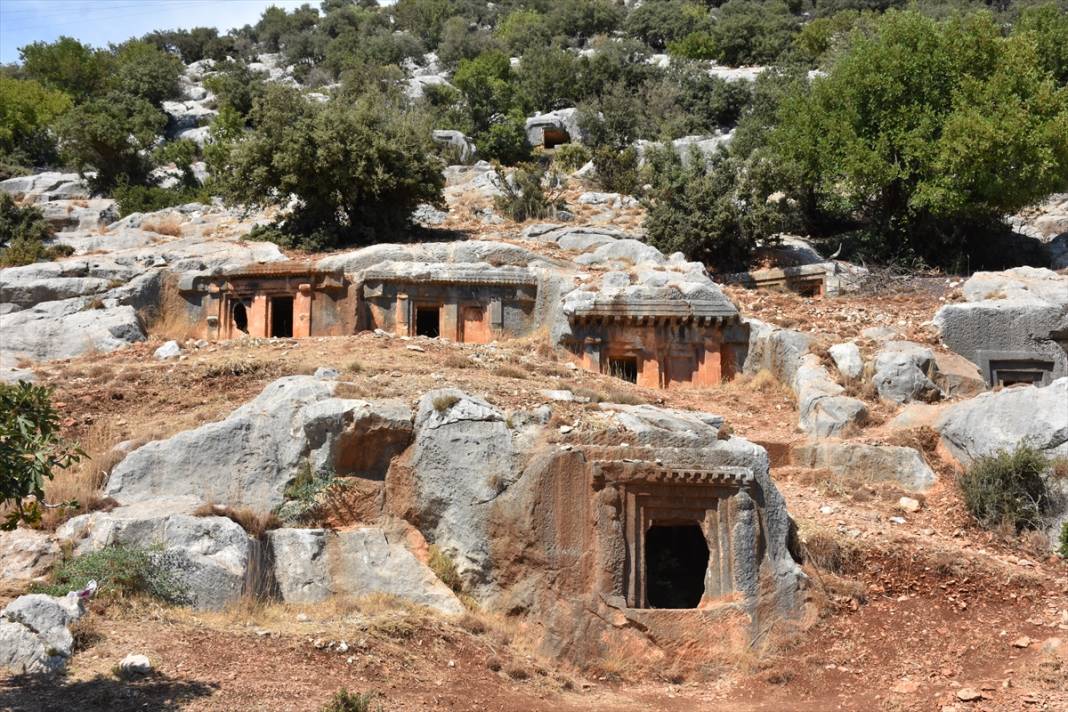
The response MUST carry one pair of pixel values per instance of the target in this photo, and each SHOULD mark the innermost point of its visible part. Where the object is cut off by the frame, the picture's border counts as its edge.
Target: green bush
(617, 171)
(1008, 489)
(30, 450)
(27, 112)
(121, 572)
(529, 193)
(23, 234)
(504, 141)
(1063, 550)
(572, 156)
(345, 701)
(150, 198)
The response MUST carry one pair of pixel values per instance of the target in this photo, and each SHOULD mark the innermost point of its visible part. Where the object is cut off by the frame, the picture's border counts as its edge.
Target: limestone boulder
(666, 427)
(42, 334)
(847, 359)
(956, 376)
(457, 141)
(205, 558)
(311, 565)
(824, 409)
(250, 457)
(45, 187)
(27, 555)
(462, 458)
(871, 463)
(565, 121)
(1012, 316)
(1002, 420)
(35, 637)
(901, 372)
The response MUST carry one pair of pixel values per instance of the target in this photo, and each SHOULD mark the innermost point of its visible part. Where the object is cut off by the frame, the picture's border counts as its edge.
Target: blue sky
(98, 22)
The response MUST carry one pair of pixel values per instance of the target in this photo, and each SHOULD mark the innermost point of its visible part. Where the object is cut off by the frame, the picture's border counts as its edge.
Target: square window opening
(428, 322)
(624, 368)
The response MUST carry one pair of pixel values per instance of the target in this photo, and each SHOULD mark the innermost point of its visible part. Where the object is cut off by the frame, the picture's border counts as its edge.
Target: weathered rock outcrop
(311, 565)
(868, 462)
(462, 458)
(206, 558)
(34, 633)
(562, 122)
(1000, 421)
(26, 555)
(249, 458)
(824, 409)
(902, 371)
(1012, 317)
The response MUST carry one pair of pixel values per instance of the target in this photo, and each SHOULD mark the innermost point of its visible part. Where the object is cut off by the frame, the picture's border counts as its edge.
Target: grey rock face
(26, 555)
(901, 372)
(847, 359)
(207, 557)
(45, 187)
(464, 146)
(868, 462)
(560, 120)
(462, 459)
(249, 458)
(34, 634)
(666, 427)
(1000, 421)
(312, 564)
(1015, 314)
(38, 335)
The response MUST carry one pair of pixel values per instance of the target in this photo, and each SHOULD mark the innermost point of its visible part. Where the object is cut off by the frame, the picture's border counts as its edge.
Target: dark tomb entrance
(240, 317)
(282, 317)
(428, 322)
(625, 368)
(676, 558)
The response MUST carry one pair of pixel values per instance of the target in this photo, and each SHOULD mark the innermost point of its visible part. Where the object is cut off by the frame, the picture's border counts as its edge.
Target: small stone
(319, 644)
(565, 429)
(169, 350)
(327, 373)
(342, 647)
(909, 504)
(826, 509)
(302, 618)
(452, 663)
(1021, 642)
(135, 665)
(414, 347)
(898, 520)
(967, 694)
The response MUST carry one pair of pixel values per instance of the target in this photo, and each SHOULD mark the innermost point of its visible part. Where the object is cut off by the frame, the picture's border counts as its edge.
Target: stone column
(259, 317)
(302, 311)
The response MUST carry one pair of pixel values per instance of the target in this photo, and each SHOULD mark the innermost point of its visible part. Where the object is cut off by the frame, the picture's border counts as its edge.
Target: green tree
(747, 32)
(925, 132)
(660, 22)
(547, 78)
(582, 19)
(358, 169)
(31, 449)
(1048, 26)
(521, 30)
(713, 210)
(27, 112)
(505, 140)
(488, 86)
(111, 135)
(68, 66)
(423, 18)
(143, 70)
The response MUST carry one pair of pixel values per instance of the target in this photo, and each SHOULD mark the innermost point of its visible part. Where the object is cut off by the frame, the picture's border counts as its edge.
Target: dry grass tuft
(170, 225)
(827, 553)
(457, 361)
(170, 320)
(509, 372)
(256, 524)
(83, 482)
(444, 402)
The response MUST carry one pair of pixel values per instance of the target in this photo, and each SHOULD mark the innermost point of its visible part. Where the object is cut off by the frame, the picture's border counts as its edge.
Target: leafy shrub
(504, 141)
(617, 171)
(572, 156)
(120, 571)
(345, 701)
(150, 198)
(23, 234)
(529, 193)
(1008, 489)
(30, 450)
(1063, 550)
(27, 112)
